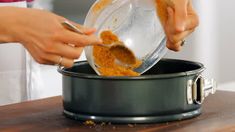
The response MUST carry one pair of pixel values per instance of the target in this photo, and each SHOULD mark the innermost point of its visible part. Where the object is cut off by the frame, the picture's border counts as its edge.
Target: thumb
(89, 31)
(85, 30)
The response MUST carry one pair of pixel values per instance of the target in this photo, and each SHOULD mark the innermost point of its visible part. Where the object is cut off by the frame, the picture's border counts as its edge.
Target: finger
(52, 59)
(43, 57)
(177, 43)
(66, 50)
(85, 30)
(67, 63)
(170, 20)
(193, 19)
(78, 40)
(174, 47)
(89, 31)
(180, 36)
(192, 22)
(57, 60)
(180, 8)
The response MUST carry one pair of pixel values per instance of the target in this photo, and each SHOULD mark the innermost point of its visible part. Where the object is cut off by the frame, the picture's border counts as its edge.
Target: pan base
(147, 119)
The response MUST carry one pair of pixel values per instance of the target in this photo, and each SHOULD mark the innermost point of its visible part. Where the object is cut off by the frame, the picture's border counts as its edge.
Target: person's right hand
(179, 20)
(42, 34)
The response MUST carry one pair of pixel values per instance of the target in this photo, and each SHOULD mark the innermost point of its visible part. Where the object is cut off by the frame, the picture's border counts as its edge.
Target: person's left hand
(181, 22)
(43, 35)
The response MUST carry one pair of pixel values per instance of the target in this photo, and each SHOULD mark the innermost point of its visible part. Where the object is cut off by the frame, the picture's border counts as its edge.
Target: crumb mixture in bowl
(106, 62)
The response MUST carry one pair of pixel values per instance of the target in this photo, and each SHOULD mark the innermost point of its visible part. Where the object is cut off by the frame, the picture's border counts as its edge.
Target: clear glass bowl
(136, 23)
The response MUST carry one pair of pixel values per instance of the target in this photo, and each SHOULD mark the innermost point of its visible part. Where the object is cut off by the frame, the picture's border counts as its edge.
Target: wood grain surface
(46, 115)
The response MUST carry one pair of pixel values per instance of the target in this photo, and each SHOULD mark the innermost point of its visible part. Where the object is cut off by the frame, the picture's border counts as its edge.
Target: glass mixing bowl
(136, 23)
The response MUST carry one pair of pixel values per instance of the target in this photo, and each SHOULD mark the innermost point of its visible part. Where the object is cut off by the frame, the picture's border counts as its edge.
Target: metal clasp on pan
(199, 89)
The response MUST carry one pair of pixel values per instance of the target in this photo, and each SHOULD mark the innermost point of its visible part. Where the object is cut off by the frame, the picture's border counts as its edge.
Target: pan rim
(65, 72)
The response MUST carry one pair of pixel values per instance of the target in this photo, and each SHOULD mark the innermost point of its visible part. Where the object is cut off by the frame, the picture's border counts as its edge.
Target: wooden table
(46, 115)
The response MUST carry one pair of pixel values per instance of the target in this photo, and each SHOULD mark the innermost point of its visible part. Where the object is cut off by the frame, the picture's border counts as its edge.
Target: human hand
(42, 34)
(179, 20)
